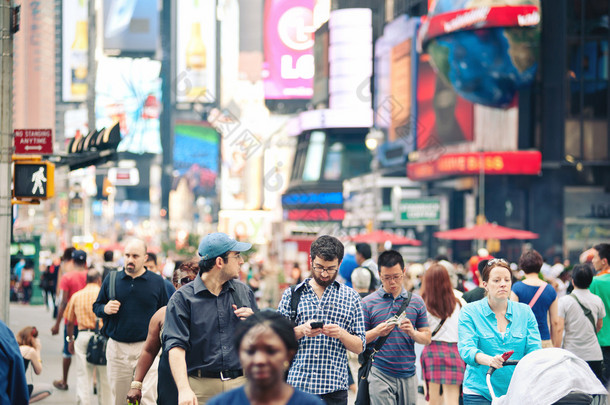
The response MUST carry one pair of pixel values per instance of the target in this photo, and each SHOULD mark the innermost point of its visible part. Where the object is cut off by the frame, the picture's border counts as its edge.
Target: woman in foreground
(489, 327)
(266, 344)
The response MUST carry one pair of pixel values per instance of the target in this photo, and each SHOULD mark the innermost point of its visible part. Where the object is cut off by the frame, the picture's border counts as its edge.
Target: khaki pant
(84, 373)
(207, 388)
(121, 364)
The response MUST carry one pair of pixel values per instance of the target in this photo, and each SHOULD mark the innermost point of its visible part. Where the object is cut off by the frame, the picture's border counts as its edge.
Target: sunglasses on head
(496, 261)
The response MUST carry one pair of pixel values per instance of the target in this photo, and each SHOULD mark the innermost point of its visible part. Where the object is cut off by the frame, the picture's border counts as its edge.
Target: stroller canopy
(546, 376)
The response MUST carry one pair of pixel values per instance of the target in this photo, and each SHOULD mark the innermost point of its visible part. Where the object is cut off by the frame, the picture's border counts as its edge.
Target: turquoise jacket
(478, 333)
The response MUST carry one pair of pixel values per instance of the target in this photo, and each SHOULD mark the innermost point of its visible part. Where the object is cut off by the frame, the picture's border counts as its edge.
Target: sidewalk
(52, 346)
(25, 315)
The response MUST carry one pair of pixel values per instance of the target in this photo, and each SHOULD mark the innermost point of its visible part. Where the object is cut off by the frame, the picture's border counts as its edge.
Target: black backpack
(295, 297)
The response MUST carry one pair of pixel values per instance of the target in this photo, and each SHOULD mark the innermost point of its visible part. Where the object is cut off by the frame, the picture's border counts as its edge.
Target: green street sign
(420, 211)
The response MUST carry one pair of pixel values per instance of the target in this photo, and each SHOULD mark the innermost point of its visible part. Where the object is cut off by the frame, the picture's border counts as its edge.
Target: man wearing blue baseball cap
(200, 322)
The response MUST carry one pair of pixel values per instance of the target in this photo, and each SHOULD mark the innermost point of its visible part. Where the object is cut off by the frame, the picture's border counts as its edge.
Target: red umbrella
(485, 232)
(380, 236)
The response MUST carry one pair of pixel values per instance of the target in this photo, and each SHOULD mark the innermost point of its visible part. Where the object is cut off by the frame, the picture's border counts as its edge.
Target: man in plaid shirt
(80, 311)
(320, 365)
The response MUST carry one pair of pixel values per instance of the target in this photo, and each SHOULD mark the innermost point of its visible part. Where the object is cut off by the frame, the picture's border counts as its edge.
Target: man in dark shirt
(477, 293)
(139, 293)
(200, 322)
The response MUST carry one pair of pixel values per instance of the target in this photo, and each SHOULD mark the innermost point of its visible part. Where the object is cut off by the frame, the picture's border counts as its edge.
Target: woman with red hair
(442, 366)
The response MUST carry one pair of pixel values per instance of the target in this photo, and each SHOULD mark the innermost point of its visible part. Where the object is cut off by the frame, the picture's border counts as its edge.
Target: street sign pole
(6, 146)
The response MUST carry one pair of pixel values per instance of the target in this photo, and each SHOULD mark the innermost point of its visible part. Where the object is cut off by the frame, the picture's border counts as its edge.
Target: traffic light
(33, 180)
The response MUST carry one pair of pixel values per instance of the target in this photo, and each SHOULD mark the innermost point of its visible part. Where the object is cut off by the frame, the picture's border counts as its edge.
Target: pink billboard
(289, 30)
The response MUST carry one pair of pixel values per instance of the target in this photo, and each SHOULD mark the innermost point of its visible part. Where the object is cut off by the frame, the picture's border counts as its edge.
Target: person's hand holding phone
(309, 330)
(332, 330)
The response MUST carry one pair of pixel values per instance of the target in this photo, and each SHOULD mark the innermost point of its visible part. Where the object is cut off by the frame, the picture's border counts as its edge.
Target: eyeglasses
(495, 261)
(395, 277)
(237, 256)
(321, 269)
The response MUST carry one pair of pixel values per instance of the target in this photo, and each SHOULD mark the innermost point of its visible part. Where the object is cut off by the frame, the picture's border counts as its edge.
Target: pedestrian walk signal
(35, 180)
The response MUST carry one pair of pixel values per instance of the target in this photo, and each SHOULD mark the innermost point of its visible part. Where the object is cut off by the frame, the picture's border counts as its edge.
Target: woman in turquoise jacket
(489, 327)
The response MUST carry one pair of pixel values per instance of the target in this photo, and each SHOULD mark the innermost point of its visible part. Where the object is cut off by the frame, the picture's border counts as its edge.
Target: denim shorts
(470, 399)
(66, 353)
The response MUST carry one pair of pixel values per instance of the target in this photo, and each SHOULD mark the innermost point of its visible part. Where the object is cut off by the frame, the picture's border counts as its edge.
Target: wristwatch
(69, 339)
(136, 385)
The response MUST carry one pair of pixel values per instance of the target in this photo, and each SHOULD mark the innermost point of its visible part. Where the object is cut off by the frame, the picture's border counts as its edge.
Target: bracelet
(69, 339)
(136, 385)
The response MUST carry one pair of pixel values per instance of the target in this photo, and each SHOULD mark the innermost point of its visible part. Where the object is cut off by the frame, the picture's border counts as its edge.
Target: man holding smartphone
(392, 378)
(328, 323)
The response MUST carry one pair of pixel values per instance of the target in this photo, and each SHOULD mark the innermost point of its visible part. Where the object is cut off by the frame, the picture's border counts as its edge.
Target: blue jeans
(470, 399)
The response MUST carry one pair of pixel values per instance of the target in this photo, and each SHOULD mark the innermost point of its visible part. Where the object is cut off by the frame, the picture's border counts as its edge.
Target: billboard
(131, 26)
(443, 117)
(197, 156)
(129, 91)
(196, 51)
(288, 39)
(75, 49)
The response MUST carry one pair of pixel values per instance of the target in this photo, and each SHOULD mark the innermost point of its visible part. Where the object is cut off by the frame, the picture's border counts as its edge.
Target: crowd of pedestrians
(201, 337)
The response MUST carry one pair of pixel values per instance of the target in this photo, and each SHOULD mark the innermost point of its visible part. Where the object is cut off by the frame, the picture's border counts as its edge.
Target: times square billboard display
(128, 91)
(197, 156)
(288, 67)
(196, 51)
(74, 50)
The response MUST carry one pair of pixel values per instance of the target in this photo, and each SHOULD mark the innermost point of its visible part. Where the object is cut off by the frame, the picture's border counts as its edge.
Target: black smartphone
(317, 325)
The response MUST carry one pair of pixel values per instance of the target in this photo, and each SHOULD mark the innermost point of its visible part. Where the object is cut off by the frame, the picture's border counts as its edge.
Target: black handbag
(96, 348)
(363, 397)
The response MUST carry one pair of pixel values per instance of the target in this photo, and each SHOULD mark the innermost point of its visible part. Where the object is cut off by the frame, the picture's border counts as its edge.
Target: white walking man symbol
(38, 178)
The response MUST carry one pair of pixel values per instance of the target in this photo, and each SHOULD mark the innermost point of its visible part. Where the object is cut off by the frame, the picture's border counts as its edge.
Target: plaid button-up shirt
(80, 307)
(320, 365)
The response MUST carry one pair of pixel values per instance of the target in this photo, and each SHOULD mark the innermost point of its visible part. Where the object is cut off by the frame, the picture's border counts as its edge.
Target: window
(314, 157)
(587, 79)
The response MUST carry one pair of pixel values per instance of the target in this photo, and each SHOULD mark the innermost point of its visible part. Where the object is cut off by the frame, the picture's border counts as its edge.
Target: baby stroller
(551, 377)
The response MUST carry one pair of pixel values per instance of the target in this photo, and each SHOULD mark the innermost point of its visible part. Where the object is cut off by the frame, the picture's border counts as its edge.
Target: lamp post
(372, 141)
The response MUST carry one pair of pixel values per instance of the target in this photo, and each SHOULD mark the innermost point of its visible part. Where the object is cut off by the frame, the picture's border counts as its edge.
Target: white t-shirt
(449, 331)
(579, 336)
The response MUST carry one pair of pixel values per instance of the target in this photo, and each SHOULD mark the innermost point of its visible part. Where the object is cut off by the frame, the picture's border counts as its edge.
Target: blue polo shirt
(397, 356)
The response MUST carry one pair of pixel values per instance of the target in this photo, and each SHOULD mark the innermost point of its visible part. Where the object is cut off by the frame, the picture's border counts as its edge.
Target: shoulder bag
(363, 397)
(587, 312)
(96, 348)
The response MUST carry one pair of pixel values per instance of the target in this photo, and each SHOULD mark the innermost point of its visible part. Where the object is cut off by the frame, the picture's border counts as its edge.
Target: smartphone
(317, 325)
(507, 354)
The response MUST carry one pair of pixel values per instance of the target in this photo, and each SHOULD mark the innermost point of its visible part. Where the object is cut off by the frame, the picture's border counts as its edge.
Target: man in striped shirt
(80, 311)
(392, 378)
(329, 322)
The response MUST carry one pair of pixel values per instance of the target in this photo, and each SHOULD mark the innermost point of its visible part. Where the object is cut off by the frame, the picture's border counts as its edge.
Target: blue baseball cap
(216, 244)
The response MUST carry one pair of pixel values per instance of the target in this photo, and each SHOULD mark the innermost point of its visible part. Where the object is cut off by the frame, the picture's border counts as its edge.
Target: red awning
(485, 232)
(380, 236)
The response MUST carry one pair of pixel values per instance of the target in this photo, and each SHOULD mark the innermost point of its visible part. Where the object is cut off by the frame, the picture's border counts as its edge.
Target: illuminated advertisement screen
(196, 51)
(75, 45)
(129, 91)
(131, 26)
(288, 41)
(443, 117)
(197, 156)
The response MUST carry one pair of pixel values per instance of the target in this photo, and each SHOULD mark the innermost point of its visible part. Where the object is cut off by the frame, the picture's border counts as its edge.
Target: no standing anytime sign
(33, 141)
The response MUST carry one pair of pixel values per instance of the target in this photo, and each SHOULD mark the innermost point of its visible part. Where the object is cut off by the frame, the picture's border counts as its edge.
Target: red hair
(439, 298)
